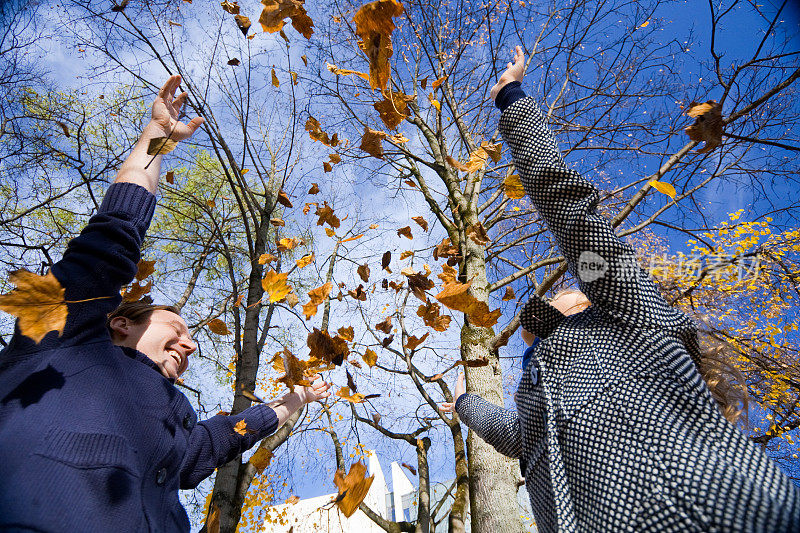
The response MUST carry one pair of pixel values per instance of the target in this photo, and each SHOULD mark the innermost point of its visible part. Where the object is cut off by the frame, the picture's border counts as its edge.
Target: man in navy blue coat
(94, 436)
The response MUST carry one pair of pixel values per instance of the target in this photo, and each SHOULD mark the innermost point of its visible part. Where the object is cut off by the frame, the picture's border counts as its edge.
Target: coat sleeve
(495, 425)
(604, 265)
(214, 442)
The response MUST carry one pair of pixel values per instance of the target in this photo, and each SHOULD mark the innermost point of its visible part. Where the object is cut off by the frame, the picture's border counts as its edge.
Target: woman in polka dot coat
(615, 428)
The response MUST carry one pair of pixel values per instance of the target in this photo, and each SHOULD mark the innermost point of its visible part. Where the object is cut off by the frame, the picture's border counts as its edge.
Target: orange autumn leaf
(448, 275)
(346, 333)
(370, 357)
(277, 222)
(509, 295)
(239, 300)
(413, 342)
(240, 427)
(477, 160)
(344, 393)
(436, 84)
(374, 26)
(276, 11)
(275, 81)
(283, 199)
(326, 167)
(135, 292)
(314, 129)
(406, 254)
(385, 325)
(329, 232)
(144, 269)
(422, 222)
(266, 258)
(430, 315)
(261, 459)
(37, 302)
(405, 232)
(218, 327)
(230, 7)
(346, 72)
(457, 297)
(393, 109)
(286, 244)
(243, 23)
(305, 260)
(293, 369)
(494, 151)
(353, 238)
(275, 285)
(317, 296)
(512, 187)
(314, 189)
(371, 142)
(707, 125)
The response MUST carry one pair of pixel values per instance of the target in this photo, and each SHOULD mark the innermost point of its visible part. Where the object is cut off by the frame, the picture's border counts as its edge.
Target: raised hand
(317, 391)
(515, 71)
(167, 109)
(449, 407)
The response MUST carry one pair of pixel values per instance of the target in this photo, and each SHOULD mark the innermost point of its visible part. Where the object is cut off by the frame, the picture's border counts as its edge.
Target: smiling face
(163, 338)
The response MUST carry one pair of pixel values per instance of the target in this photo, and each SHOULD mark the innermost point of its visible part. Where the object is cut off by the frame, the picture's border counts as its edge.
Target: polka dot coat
(615, 429)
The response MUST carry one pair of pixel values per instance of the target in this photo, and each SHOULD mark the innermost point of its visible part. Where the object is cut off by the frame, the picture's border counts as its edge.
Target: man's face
(164, 339)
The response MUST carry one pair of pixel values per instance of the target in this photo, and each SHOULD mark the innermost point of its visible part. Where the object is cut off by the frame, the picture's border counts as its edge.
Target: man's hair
(137, 312)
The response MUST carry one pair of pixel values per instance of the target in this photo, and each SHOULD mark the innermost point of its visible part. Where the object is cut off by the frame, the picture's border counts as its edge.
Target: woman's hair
(725, 382)
(137, 312)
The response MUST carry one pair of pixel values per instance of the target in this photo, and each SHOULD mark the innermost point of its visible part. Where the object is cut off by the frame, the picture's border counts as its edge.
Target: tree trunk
(458, 511)
(492, 476)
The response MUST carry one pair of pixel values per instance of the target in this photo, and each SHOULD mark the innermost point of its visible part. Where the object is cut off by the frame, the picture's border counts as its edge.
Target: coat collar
(540, 318)
(142, 358)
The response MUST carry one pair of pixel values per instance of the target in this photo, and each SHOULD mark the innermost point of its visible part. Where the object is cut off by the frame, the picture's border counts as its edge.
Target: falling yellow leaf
(436, 84)
(218, 327)
(275, 284)
(512, 187)
(38, 303)
(161, 145)
(374, 26)
(434, 102)
(370, 357)
(406, 254)
(329, 232)
(266, 258)
(344, 393)
(346, 72)
(305, 260)
(707, 125)
(644, 24)
(346, 333)
(286, 244)
(317, 296)
(275, 11)
(663, 187)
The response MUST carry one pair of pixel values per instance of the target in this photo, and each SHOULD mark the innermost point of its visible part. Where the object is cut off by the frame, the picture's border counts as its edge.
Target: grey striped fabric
(614, 426)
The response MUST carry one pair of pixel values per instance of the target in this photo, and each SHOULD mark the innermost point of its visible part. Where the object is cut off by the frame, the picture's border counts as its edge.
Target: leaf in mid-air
(275, 284)
(707, 125)
(353, 488)
(38, 303)
(218, 327)
(374, 26)
(512, 187)
(663, 187)
(161, 146)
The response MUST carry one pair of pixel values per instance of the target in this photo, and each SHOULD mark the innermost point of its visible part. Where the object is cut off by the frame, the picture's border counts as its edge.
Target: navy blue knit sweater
(92, 436)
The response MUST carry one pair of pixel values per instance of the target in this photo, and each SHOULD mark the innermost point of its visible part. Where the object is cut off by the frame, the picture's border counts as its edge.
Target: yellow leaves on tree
(374, 26)
(457, 297)
(317, 296)
(314, 129)
(275, 12)
(326, 216)
(707, 125)
(393, 109)
(347, 72)
(430, 315)
(38, 303)
(326, 348)
(218, 327)
(512, 187)
(353, 488)
(275, 285)
(434, 102)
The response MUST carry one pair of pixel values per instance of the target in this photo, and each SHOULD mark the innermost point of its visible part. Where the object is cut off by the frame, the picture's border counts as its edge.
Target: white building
(319, 514)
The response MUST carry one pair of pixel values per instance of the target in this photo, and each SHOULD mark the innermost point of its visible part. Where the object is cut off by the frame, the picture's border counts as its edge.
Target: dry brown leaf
(261, 459)
(406, 254)
(170, 177)
(266, 258)
(363, 272)
(144, 269)
(512, 187)
(430, 315)
(283, 199)
(314, 189)
(359, 293)
(385, 325)
(275, 81)
(135, 292)
(292, 299)
(326, 216)
(317, 296)
(314, 129)
(327, 167)
(293, 368)
(387, 341)
(413, 342)
(371, 142)
(275, 285)
(326, 348)
(418, 282)
(346, 333)
(370, 357)
(509, 295)
(457, 297)
(386, 258)
(474, 363)
(353, 488)
(275, 12)
(707, 125)
(277, 222)
(445, 249)
(218, 327)
(449, 275)
(374, 26)
(243, 23)
(405, 232)
(477, 233)
(421, 222)
(38, 303)
(393, 109)
(231, 7)
(494, 151)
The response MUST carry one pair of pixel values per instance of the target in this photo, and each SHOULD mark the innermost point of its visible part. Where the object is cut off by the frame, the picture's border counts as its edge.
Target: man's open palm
(167, 109)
